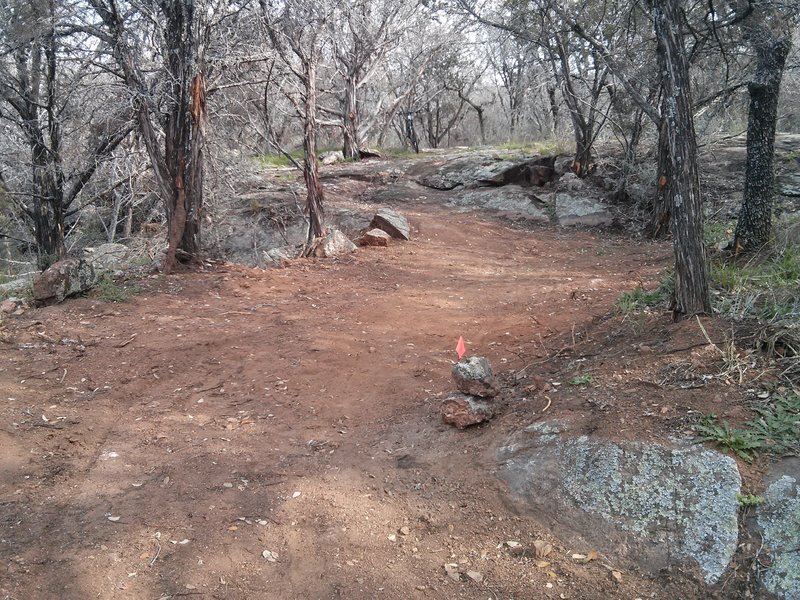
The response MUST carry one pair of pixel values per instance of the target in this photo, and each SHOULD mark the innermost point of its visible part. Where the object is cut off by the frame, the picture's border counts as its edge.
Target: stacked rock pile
(473, 403)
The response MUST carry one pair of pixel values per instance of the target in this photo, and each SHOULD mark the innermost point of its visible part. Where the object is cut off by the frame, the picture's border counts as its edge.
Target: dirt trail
(157, 448)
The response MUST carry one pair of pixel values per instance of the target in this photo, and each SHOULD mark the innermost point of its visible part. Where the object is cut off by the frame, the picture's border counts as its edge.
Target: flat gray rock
(789, 185)
(392, 222)
(107, 258)
(646, 503)
(577, 210)
(509, 200)
(466, 171)
(779, 520)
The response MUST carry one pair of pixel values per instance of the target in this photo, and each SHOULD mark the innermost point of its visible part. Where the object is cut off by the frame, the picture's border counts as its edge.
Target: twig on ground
(126, 342)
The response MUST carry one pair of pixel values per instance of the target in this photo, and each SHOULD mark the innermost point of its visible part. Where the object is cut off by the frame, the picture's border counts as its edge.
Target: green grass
(742, 443)
(775, 430)
(583, 379)
(716, 233)
(279, 160)
(640, 299)
(766, 290)
(109, 290)
(544, 147)
(749, 500)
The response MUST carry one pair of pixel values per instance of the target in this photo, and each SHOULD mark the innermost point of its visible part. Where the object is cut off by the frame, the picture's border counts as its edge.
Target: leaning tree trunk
(755, 217)
(691, 268)
(314, 194)
(351, 147)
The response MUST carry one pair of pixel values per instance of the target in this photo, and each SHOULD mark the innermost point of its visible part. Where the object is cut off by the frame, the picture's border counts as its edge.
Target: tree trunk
(352, 146)
(48, 220)
(314, 194)
(551, 95)
(191, 240)
(755, 217)
(660, 215)
(691, 268)
(183, 136)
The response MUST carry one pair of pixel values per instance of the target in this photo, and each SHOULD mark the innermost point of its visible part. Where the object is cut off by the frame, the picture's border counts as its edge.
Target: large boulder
(466, 171)
(647, 504)
(108, 258)
(537, 172)
(510, 201)
(461, 410)
(474, 376)
(331, 157)
(68, 277)
(779, 521)
(392, 222)
(580, 210)
(19, 285)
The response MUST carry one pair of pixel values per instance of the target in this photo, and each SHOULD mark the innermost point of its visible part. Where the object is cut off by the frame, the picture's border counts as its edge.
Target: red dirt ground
(156, 448)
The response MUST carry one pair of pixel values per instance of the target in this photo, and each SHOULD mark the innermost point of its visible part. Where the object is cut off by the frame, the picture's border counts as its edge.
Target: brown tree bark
(754, 225)
(314, 193)
(351, 144)
(178, 169)
(686, 213)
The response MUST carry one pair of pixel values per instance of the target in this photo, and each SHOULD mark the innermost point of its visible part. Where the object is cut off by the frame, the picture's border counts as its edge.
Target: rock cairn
(477, 387)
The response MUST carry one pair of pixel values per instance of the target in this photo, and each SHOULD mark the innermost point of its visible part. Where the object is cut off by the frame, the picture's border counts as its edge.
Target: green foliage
(742, 443)
(776, 430)
(640, 299)
(766, 290)
(749, 500)
(109, 290)
(584, 379)
(717, 232)
(778, 424)
(279, 160)
(791, 156)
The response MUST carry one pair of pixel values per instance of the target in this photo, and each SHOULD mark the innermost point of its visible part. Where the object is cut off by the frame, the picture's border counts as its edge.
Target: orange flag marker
(460, 348)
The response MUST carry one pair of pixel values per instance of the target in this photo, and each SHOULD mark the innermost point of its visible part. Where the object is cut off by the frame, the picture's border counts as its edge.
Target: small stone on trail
(452, 571)
(474, 376)
(405, 531)
(270, 556)
(476, 576)
(392, 537)
(374, 237)
(542, 549)
(462, 411)
(8, 306)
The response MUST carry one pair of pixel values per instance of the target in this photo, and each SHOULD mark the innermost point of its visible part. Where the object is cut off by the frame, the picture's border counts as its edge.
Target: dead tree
(295, 29)
(37, 95)
(179, 113)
